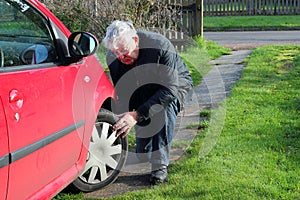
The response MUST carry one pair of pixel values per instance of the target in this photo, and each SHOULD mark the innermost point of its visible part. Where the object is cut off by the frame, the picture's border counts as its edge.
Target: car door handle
(16, 98)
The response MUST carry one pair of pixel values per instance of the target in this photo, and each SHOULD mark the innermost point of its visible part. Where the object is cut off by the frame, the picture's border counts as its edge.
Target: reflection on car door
(45, 125)
(4, 156)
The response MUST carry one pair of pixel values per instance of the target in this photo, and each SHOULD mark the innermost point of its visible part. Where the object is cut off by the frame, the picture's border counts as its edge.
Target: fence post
(199, 18)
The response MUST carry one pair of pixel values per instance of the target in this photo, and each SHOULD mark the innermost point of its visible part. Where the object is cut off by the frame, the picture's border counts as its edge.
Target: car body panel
(47, 113)
(4, 153)
(35, 118)
(97, 87)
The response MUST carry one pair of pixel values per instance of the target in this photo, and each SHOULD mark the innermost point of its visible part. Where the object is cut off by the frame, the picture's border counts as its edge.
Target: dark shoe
(158, 175)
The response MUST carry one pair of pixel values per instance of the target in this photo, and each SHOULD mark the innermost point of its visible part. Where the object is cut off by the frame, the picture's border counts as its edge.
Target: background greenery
(285, 22)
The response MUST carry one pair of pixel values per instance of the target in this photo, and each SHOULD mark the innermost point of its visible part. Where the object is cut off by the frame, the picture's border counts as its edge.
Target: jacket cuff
(143, 114)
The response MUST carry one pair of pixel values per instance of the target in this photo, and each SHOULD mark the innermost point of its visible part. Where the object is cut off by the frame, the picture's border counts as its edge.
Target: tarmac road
(247, 39)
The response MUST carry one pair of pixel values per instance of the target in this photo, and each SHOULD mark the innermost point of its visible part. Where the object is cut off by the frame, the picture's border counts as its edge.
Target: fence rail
(190, 9)
(251, 7)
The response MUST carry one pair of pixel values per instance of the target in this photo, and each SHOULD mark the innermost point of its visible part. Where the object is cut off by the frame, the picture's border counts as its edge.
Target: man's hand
(126, 122)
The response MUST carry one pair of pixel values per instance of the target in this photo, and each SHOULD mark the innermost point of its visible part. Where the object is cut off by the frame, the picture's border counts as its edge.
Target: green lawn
(257, 155)
(252, 22)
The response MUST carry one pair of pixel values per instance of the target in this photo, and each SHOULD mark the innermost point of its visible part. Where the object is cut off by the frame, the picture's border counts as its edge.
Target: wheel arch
(108, 104)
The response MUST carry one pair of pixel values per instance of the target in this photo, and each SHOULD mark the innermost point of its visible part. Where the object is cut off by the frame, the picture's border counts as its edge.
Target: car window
(24, 35)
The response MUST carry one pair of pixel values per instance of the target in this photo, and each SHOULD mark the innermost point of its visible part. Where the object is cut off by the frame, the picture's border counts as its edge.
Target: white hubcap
(103, 156)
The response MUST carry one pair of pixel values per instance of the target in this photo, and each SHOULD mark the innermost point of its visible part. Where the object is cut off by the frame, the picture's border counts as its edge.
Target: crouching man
(152, 83)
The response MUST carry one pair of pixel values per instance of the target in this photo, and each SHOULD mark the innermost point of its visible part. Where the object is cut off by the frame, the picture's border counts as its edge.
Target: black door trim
(25, 151)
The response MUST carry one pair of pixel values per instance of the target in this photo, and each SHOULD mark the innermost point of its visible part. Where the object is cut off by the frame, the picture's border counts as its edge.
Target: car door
(44, 136)
(42, 102)
(4, 153)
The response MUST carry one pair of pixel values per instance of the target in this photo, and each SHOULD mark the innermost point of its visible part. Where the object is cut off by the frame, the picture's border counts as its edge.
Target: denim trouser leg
(153, 142)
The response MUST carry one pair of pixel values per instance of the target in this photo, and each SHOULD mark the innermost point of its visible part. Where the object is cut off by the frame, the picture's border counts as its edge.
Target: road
(248, 39)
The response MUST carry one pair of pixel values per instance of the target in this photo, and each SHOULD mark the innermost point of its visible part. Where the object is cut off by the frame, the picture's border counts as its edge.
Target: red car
(55, 102)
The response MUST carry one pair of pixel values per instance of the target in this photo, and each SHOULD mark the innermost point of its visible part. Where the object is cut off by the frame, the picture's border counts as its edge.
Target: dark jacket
(158, 77)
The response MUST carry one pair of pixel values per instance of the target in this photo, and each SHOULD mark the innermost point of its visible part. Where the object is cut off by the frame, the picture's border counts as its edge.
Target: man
(152, 84)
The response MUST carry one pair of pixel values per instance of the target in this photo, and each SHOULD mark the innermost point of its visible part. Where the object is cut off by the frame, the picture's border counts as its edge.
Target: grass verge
(252, 22)
(257, 153)
(197, 56)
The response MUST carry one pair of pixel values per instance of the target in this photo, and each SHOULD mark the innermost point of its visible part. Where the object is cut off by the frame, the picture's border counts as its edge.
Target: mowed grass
(257, 155)
(197, 56)
(252, 22)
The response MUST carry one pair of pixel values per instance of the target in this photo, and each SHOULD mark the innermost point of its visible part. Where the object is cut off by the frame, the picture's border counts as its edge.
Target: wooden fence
(190, 10)
(251, 7)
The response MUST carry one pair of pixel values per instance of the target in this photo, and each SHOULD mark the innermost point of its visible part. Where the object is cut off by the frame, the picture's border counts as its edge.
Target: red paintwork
(3, 151)
(47, 100)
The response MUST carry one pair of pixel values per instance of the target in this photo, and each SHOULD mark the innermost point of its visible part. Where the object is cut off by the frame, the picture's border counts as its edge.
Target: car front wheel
(107, 155)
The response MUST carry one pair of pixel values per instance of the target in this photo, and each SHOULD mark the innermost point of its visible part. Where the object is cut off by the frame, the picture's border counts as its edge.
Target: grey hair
(118, 31)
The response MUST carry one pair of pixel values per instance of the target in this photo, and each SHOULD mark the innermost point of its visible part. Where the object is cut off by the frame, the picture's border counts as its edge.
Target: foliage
(89, 15)
(152, 13)
(79, 15)
(214, 49)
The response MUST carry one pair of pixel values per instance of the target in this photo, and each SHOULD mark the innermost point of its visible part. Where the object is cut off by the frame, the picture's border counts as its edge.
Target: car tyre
(107, 155)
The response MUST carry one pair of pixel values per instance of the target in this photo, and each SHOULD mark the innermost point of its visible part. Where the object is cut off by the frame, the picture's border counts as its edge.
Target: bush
(94, 15)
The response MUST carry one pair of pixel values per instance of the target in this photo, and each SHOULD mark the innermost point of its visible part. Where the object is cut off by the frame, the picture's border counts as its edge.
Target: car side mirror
(82, 44)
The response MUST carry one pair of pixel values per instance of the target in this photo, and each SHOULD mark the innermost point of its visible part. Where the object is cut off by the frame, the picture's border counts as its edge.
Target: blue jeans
(154, 138)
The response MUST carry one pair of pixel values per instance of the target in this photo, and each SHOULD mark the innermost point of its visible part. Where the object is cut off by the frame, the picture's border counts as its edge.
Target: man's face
(127, 51)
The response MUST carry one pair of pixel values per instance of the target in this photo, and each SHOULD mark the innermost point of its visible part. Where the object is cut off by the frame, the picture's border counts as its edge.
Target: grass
(257, 153)
(205, 116)
(205, 113)
(252, 22)
(197, 56)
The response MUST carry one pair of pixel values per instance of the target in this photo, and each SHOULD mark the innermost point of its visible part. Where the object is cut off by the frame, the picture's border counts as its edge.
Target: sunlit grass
(197, 56)
(257, 153)
(251, 22)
